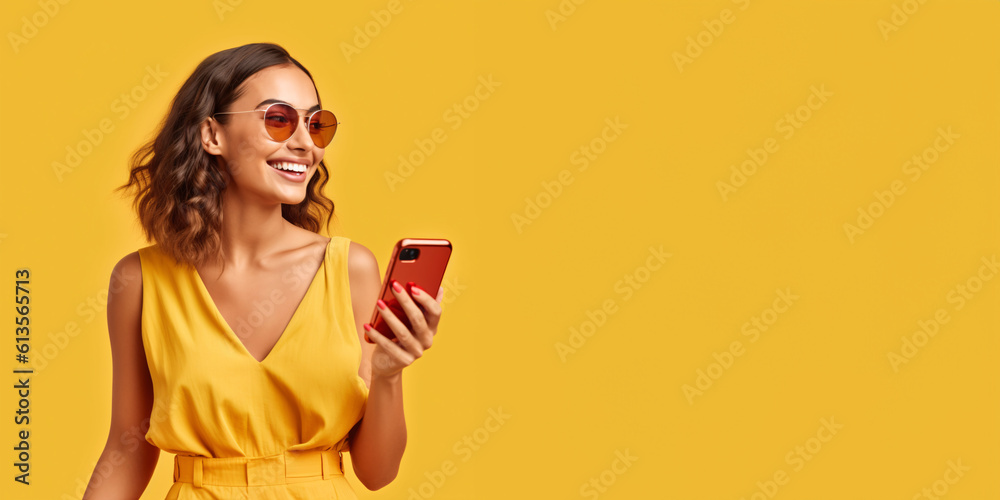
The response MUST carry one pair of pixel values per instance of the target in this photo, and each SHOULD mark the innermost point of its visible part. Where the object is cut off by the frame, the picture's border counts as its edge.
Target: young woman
(237, 338)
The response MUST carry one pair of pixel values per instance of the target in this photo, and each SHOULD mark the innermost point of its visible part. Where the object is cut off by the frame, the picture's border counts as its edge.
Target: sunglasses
(281, 121)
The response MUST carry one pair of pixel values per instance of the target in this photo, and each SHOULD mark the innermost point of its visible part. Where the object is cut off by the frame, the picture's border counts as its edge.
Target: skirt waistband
(288, 467)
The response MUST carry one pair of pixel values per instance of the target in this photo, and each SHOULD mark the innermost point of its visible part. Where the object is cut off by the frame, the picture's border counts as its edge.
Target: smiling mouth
(294, 168)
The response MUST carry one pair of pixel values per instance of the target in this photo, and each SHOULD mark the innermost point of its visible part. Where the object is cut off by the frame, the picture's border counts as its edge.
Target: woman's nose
(300, 138)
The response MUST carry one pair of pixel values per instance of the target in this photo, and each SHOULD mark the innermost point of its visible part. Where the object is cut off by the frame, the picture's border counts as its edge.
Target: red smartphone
(414, 260)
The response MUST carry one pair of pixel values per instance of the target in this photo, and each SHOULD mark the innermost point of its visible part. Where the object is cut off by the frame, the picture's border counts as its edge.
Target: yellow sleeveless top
(212, 398)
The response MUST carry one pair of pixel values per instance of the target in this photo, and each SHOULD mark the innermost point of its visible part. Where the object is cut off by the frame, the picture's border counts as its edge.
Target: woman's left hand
(390, 357)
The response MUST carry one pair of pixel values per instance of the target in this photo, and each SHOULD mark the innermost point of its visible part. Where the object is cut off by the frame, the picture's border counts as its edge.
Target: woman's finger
(432, 309)
(392, 349)
(406, 339)
(418, 324)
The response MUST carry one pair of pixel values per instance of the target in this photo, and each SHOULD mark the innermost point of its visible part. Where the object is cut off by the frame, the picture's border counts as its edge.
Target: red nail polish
(414, 289)
(396, 286)
(368, 327)
(381, 305)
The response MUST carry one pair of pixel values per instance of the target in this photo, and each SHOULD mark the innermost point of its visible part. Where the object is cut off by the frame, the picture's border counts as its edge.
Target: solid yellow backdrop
(703, 250)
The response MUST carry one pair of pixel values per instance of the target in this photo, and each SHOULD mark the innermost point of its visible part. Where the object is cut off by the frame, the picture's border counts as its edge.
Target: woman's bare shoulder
(125, 287)
(365, 278)
(360, 260)
(128, 269)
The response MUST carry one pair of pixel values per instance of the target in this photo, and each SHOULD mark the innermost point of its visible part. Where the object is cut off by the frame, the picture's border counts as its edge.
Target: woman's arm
(378, 440)
(127, 463)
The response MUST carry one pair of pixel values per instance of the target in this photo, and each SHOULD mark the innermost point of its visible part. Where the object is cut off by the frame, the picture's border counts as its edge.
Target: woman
(237, 339)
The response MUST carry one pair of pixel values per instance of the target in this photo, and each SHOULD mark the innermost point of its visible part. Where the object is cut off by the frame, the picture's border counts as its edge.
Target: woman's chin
(293, 200)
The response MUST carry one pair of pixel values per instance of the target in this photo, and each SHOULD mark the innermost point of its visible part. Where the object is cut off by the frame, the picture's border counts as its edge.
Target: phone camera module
(409, 253)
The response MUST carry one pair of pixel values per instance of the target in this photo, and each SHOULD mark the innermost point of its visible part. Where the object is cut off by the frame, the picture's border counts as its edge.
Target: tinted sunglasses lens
(322, 126)
(280, 121)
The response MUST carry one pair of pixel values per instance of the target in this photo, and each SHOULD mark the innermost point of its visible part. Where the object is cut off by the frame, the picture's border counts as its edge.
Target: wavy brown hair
(177, 185)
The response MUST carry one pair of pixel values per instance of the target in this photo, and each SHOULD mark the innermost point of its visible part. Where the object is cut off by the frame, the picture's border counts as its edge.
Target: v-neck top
(244, 326)
(212, 398)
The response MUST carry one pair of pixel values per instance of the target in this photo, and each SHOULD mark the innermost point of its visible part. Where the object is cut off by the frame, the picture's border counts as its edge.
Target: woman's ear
(211, 136)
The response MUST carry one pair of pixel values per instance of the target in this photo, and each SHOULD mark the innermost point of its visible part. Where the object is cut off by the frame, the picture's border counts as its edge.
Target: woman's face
(251, 158)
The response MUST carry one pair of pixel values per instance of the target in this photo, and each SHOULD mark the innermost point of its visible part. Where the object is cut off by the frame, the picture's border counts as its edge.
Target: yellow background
(514, 293)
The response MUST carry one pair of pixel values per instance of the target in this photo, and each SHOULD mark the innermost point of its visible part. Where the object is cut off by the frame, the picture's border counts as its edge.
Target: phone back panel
(426, 271)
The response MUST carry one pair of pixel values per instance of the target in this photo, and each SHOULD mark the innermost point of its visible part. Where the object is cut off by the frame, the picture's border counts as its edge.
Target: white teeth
(294, 167)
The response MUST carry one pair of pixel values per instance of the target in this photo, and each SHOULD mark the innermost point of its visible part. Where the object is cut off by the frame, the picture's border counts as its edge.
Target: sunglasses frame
(307, 119)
